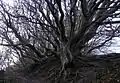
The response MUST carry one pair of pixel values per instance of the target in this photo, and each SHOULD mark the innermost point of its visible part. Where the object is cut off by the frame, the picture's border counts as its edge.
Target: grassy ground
(94, 69)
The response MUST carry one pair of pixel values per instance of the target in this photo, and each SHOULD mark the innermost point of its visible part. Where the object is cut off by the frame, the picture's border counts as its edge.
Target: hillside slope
(94, 69)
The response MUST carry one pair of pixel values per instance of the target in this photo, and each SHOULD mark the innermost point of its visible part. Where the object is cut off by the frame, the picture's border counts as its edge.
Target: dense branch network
(63, 29)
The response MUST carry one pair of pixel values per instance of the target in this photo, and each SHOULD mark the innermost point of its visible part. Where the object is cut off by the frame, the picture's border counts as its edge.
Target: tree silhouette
(58, 31)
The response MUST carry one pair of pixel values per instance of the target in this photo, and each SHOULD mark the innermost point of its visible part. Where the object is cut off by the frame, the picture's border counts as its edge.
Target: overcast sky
(116, 43)
(8, 1)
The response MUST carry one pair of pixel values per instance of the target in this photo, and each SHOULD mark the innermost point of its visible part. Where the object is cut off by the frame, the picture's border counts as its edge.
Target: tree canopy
(59, 32)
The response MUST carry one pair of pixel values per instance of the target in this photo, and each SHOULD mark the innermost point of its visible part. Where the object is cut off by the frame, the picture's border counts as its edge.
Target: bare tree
(59, 29)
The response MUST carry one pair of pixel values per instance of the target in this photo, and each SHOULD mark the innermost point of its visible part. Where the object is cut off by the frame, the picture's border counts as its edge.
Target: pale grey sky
(115, 46)
(8, 1)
